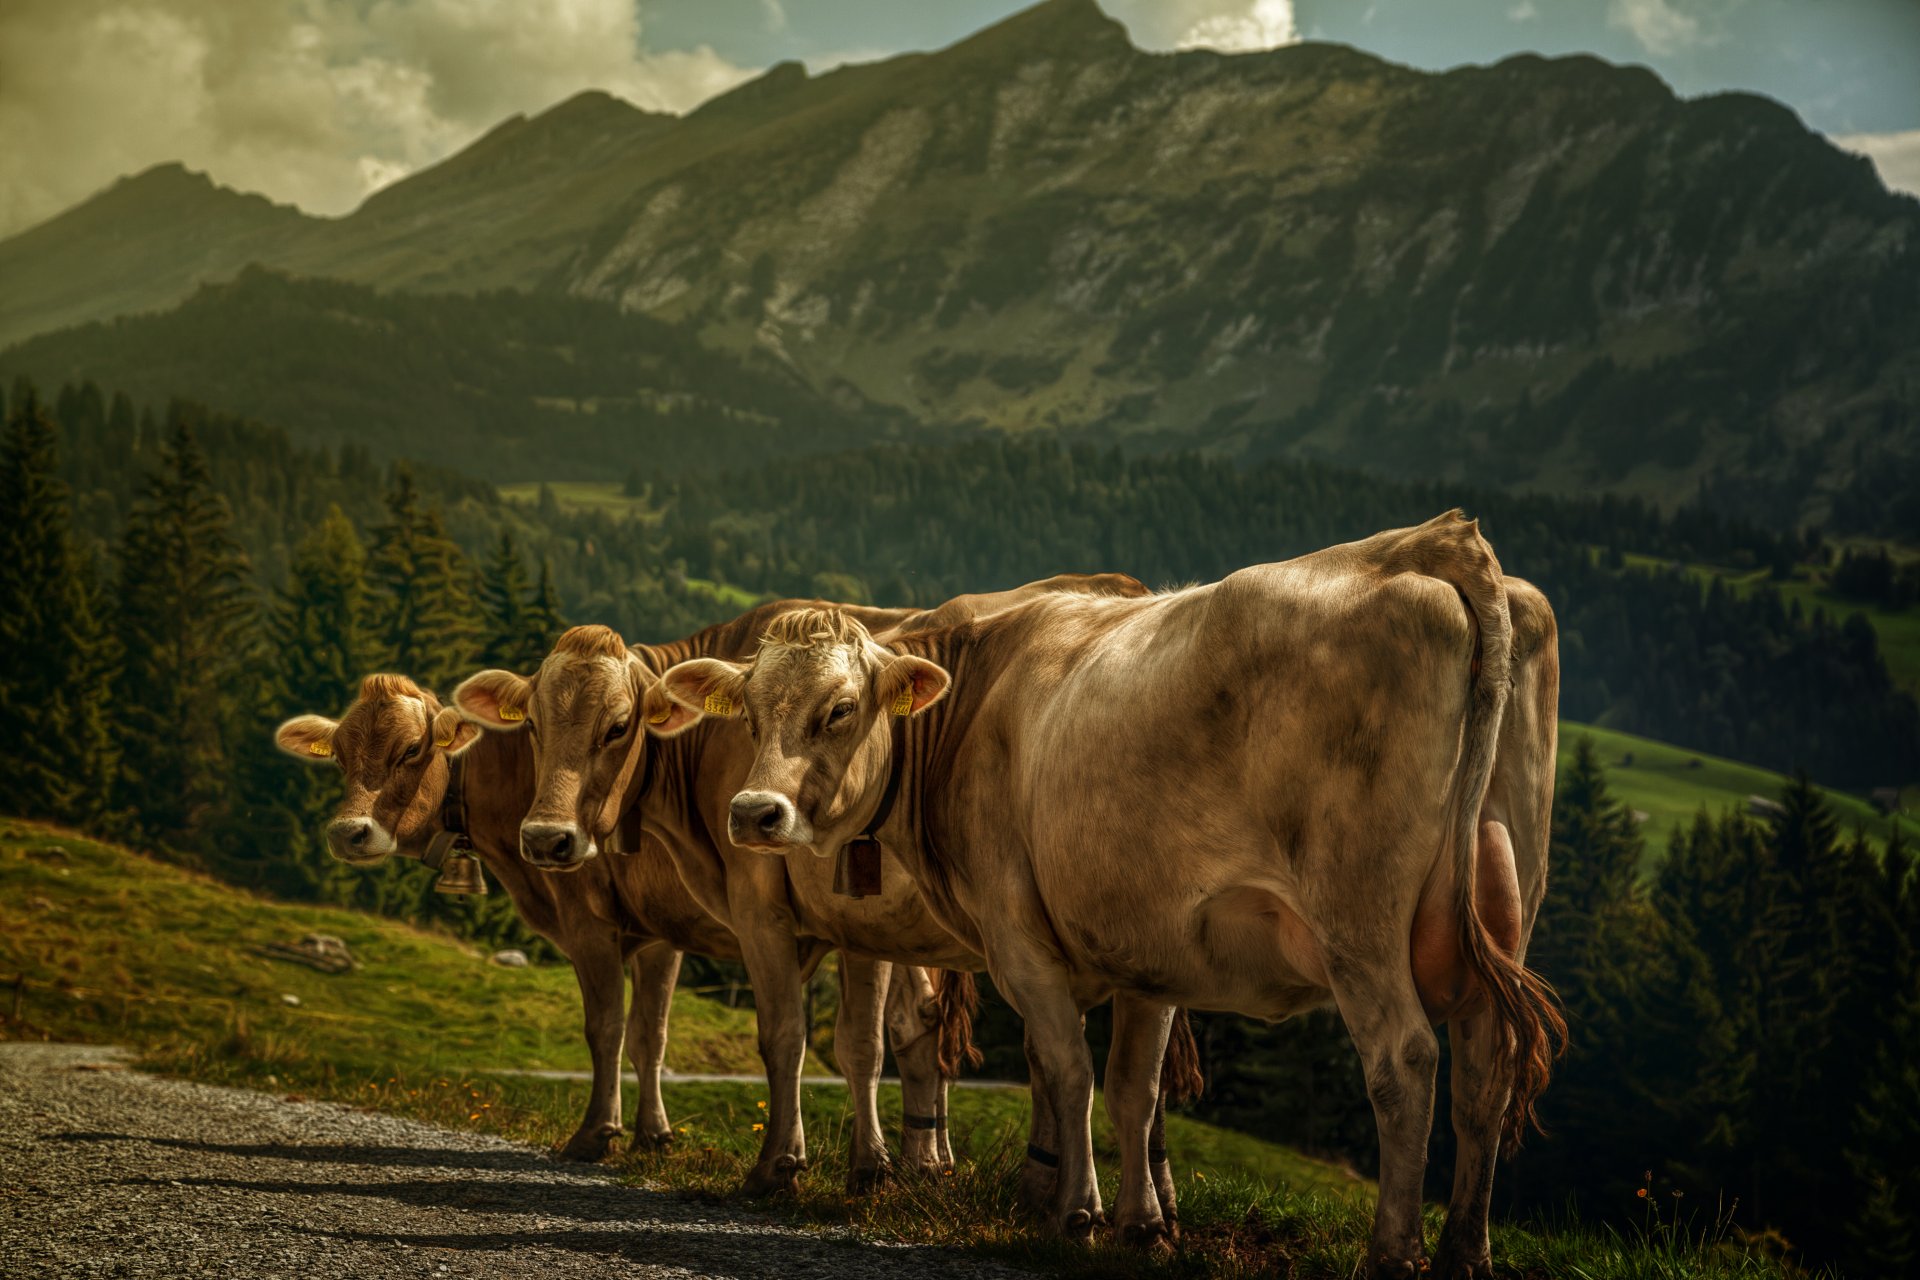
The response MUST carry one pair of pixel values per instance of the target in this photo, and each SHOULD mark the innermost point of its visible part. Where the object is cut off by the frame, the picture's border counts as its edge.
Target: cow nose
(350, 835)
(759, 816)
(551, 844)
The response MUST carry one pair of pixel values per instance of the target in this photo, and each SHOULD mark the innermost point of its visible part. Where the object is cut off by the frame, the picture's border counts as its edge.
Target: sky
(319, 102)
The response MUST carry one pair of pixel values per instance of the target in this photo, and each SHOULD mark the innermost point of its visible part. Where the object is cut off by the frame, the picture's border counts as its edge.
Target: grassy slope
(1666, 784)
(116, 947)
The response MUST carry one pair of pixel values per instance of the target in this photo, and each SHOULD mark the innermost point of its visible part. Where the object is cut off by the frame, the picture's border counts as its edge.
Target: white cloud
(316, 102)
(1895, 155)
(1231, 26)
(1660, 28)
(1523, 12)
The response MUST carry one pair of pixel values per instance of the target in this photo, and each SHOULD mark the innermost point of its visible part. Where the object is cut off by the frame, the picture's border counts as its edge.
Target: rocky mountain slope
(1551, 273)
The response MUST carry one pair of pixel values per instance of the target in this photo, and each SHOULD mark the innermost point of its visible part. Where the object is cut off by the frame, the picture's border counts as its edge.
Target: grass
(1670, 784)
(583, 495)
(114, 947)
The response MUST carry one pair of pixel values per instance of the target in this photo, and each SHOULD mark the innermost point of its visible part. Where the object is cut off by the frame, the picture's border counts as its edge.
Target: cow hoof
(655, 1141)
(1386, 1267)
(1150, 1238)
(1077, 1226)
(589, 1146)
(864, 1180)
(783, 1178)
(1450, 1267)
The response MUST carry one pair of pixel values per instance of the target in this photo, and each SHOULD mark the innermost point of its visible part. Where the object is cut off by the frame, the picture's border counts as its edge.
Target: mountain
(497, 385)
(1547, 273)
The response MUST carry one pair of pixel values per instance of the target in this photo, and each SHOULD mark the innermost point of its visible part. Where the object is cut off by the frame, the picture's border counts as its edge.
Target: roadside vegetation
(101, 944)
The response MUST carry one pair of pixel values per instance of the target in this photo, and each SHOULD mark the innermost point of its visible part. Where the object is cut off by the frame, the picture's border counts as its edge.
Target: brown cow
(1294, 786)
(632, 910)
(583, 704)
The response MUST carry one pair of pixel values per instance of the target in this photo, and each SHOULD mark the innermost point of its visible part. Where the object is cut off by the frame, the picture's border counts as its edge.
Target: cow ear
(453, 733)
(664, 717)
(909, 685)
(308, 738)
(707, 686)
(495, 699)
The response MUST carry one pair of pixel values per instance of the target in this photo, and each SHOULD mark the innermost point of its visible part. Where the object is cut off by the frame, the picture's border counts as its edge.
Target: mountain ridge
(1554, 272)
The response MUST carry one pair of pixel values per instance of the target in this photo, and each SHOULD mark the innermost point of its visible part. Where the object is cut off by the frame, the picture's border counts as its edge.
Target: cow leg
(772, 958)
(656, 969)
(1162, 1169)
(1035, 985)
(1481, 1084)
(858, 1051)
(598, 968)
(1133, 1104)
(916, 1050)
(1041, 1173)
(1382, 1009)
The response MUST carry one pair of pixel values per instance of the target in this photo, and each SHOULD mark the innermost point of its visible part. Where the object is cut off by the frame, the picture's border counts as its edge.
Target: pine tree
(54, 752)
(545, 621)
(503, 605)
(183, 626)
(422, 617)
(319, 646)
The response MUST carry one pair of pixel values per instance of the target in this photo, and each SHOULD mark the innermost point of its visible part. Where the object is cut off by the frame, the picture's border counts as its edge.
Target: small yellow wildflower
(757, 1128)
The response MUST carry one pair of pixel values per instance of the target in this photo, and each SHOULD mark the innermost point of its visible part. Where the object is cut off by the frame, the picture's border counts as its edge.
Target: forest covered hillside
(1549, 274)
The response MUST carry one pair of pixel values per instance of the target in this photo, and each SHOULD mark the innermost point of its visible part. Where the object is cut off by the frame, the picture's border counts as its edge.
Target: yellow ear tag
(319, 748)
(511, 713)
(903, 702)
(443, 742)
(661, 716)
(718, 704)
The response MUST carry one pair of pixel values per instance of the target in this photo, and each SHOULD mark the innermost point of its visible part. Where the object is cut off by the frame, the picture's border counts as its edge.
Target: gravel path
(108, 1172)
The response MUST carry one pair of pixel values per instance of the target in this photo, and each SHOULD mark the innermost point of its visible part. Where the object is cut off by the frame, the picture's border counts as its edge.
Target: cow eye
(616, 731)
(839, 715)
(413, 753)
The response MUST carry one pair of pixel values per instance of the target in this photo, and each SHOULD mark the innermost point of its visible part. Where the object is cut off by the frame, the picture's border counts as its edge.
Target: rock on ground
(108, 1172)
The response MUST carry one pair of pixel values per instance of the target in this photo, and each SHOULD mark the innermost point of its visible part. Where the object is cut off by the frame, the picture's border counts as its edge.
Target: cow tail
(1181, 1079)
(1524, 1005)
(956, 998)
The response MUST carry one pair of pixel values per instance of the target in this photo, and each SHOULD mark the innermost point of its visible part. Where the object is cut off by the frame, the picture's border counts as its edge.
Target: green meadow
(101, 944)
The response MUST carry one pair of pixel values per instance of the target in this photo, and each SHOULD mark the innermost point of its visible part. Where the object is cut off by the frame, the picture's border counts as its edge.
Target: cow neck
(927, 755)
(896, 769)
(453, 836)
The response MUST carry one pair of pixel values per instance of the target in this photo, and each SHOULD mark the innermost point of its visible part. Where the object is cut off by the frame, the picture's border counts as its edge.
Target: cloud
(316, 102)
(1895, 155)
(1523, 12)
(1231, 26)
(1660, 28)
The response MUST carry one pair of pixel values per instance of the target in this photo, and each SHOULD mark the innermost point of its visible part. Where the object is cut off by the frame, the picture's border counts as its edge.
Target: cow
(415, 770)
(1304, 784)
(584, 704)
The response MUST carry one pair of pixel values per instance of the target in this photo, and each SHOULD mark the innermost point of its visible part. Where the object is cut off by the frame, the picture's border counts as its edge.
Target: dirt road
(108, 1172)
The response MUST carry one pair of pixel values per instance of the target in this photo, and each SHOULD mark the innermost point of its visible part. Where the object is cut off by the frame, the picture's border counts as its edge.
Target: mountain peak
(1054, 26)
(595, 106)
(776, 81)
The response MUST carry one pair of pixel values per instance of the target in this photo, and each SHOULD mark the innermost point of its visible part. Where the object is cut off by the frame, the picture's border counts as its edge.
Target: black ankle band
(1156, 1155)
(1040, 1155)
(924, 1122)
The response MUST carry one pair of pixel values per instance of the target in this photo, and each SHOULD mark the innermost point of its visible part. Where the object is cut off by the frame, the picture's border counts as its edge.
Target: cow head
(589, 709)
(817, 700)
(392, 746)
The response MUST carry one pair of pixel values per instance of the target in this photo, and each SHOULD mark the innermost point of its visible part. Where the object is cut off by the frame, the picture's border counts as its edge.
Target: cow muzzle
(557, 846)
(767, 821)
(359, 841)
